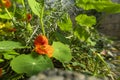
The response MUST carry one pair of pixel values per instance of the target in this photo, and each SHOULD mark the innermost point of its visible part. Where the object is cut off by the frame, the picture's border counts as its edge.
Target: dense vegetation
(39, 34)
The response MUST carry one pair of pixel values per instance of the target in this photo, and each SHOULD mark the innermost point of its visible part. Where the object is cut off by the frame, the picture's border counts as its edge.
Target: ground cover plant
(39, 34)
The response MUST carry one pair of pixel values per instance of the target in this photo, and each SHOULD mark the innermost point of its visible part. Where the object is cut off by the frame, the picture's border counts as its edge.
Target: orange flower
(29, 17)
(0, 72)
(44, 49)
(6, 3)
(41, 40)
(42, 46)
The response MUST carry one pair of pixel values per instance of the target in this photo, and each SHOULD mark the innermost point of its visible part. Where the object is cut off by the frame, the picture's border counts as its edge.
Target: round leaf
(31, 64)
(61, 52)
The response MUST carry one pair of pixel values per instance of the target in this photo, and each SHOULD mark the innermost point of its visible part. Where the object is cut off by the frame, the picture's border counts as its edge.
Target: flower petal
(6, 3)
(44, 49)
(29, 17)
(49, 51)
(41, 40)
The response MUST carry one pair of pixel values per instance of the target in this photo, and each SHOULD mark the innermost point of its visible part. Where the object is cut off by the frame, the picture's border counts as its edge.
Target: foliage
(9, 45)
(85, 20)
(73, 38)
(65, 23)
(34, 64)
(107, 5)
(62, 52)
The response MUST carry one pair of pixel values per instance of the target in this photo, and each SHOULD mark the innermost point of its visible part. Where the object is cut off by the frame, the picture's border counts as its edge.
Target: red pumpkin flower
(6, 3)
(42, 46)
(29, 17)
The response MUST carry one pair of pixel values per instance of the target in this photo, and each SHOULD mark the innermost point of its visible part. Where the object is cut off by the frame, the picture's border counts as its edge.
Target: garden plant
(36, 35)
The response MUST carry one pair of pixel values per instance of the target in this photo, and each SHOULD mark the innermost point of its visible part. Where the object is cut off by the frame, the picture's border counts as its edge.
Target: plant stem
(32, 35)
(8, 13)
(23, 3)
(11, 17)
(41, 20)
(103, 61)
(95, 69)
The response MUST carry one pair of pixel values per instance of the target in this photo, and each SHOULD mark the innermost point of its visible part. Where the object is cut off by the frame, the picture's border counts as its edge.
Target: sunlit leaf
(85, 20)
(1, 60)
(29, 28)
(112, 9)
(4, 16)
(19, 1)
(81, 33)
(101, 6)
(61, 52)
(36, 7)
(30, 64)
(65, 23)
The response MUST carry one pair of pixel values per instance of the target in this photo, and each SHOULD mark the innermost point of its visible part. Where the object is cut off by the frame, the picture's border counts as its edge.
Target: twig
(32, 35)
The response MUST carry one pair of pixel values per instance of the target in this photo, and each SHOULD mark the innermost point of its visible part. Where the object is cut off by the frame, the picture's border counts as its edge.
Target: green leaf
(30, 64)
(81, 33)
(112, 9)
(4, 16)
(101, 5)
(19, 1)
(29, 28)
(9, 45)
(10, 54)
(92, 4)
(65, 23)
(1, 60)
(61, 38)
(61, 52)
(85, 20)
(36, 7)
(90, 42)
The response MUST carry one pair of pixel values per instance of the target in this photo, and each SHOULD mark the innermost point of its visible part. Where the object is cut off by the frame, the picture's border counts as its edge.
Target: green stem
(95, 69)
(24, 6)
(8, 13)
(11, 17)
(41, 21)
(23, 3)
(103, 61)
(106, 65)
